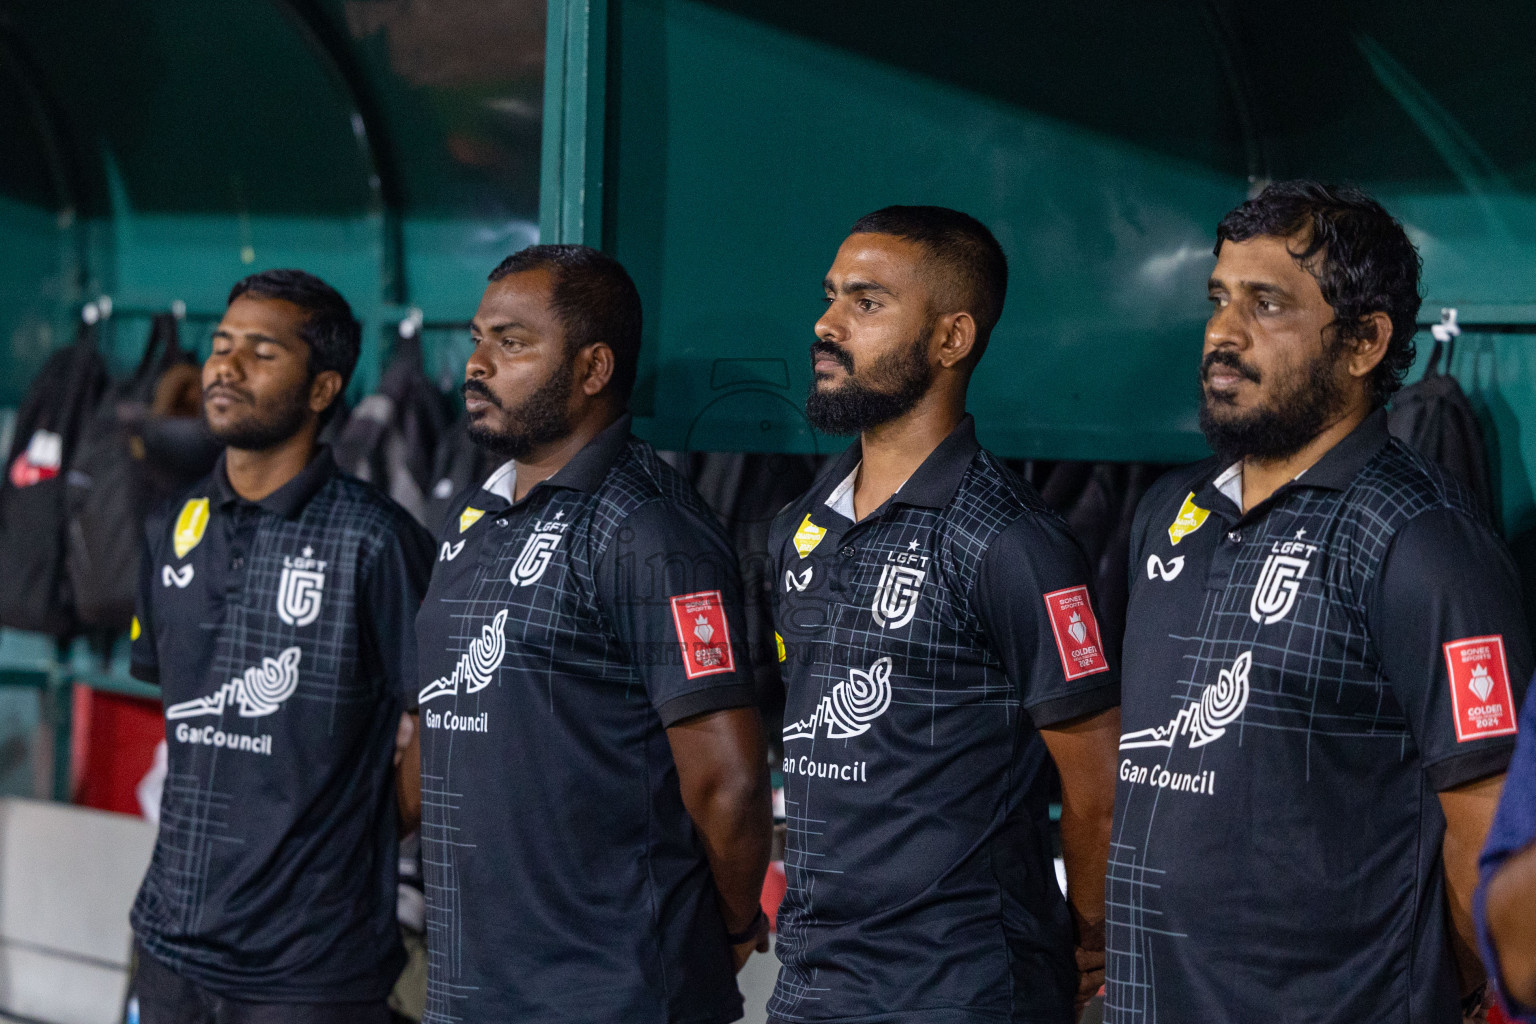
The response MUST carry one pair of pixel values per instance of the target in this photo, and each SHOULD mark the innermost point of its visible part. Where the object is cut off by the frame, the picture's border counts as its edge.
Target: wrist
(755, 930)
(1087, 935)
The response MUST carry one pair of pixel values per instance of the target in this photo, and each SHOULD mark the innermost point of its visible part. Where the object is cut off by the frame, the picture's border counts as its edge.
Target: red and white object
(1481, 698)
(41, 460)
(1077, 632)
(703, 633)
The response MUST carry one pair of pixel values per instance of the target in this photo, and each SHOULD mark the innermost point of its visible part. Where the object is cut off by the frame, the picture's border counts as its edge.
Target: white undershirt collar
(841, 498)
(503, 482)
(1230, 482)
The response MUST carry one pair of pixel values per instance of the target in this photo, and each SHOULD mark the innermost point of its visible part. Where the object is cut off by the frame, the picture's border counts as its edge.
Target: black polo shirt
(1300, 683)
(923, 647)
(561, 637)
(279, 633)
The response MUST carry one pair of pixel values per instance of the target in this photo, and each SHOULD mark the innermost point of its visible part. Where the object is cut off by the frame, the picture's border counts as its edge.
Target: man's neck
(552, 458)
(892, 451)
(256, 474)
(1262, 478)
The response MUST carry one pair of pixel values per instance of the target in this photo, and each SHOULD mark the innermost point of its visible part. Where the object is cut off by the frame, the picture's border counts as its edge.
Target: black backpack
(457, 463)
(32, 496)
(392, 435)
(1436, 419)
(114, 481)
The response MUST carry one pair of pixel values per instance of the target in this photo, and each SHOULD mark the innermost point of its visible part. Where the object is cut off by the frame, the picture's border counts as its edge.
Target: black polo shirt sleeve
(394, 581)
(143, 660)
(668, 582)
(1033, 598)
(1447, 621)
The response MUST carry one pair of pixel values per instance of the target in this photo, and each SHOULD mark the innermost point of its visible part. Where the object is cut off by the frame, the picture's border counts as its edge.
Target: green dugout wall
(159, 149)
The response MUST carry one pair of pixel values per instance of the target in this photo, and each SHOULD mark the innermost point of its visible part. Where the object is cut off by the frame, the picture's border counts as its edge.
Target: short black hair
(1359, 254)
(963, 251)
(594, 300)
(331, 331)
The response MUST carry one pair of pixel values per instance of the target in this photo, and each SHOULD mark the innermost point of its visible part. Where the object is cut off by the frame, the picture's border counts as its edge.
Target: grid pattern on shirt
(1315, 678)
(555, 630)
(942, 664)
(345, 524)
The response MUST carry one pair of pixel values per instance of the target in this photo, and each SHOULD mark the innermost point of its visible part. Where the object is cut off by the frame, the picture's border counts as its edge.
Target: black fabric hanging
(457, 463)
(390, 439)
(36, 595)
(1436, 419)
(1098, 500)
(114, 480)
(746, 490)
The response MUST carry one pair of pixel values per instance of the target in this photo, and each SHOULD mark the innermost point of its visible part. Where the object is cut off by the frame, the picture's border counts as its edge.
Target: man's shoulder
(1398, 484)
(357, 506)
(991, 498)
(1395, 488)
(640, 479)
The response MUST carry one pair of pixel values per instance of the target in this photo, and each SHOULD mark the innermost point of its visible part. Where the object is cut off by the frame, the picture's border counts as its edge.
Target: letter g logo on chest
(1275, 593)
(534, 558)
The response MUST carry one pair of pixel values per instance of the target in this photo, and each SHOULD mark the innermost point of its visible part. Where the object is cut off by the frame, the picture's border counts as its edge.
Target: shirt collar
(586, 471)
(1340, 464)
(1230, 482)
(288, 500)
(841, 498)
(936, 480)
(1337, 468)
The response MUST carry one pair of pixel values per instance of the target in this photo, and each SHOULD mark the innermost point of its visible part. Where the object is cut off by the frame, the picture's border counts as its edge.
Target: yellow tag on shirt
(469, 517)
(134, 632)
(777, 640)
(190, 526)
(808, 536)
(1190, 518)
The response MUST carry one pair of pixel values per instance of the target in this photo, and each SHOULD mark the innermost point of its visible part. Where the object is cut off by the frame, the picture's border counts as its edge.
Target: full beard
(541, 419)
(1307, 400)
(891, 386)
(264, 428)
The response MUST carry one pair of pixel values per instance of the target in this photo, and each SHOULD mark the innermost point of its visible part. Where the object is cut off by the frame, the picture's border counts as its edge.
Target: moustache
(822, 347)
(1221, 357)
(474, 386)
(228, 389)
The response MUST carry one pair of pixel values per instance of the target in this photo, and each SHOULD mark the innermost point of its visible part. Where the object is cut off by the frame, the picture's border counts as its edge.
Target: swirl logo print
(852, 705)
(259, 692)
(1205, 720)
(476, 666)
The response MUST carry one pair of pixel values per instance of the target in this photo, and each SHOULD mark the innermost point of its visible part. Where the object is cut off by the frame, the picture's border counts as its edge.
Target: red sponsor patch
(1077, 632)
(1481, 698)
(703, 633)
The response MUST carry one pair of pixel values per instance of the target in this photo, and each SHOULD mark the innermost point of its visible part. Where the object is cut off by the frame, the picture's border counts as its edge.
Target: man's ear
(594, 368)
(1369, 346)
(957, 338)
(323, 390)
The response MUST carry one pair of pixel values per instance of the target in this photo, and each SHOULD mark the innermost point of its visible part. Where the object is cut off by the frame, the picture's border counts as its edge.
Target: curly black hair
(1359, 254)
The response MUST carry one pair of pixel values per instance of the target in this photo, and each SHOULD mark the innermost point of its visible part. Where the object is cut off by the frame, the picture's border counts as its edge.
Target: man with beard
(1324, 653)
(596, 814)
(940, 648)
(274, 611)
